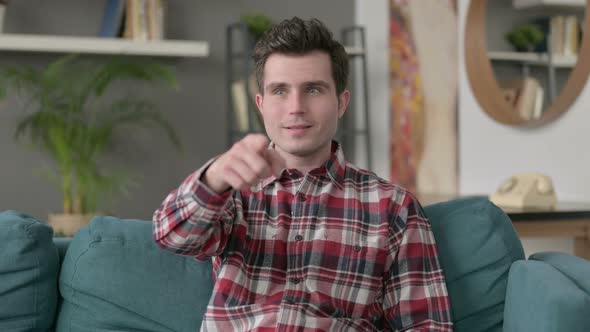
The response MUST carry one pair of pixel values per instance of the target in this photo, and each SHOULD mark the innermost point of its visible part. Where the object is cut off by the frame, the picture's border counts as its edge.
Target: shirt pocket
(349, 281)
(358, 255)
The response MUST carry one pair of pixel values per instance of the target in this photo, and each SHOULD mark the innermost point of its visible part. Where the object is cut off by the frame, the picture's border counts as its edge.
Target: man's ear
(259, 102)
(343, 101)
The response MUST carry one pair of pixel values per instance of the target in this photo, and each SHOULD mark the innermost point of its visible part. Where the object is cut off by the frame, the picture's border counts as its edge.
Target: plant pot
(67, 225)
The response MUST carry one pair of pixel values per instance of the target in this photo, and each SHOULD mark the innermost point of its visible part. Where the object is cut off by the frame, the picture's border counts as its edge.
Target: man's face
(300, 106)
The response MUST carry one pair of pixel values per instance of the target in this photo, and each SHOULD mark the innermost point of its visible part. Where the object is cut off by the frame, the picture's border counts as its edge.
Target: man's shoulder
(362, 178)
(395, 199)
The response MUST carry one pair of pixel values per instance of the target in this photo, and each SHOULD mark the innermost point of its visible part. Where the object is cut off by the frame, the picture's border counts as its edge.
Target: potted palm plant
(65, 115)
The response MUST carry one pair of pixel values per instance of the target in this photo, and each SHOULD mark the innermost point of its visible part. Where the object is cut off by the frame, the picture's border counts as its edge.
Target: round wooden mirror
(489, 93)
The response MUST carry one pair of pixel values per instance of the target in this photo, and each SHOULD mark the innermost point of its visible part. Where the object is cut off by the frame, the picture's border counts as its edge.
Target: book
(113, 19)
(240, 105)
(242, 97)
(557, 33)
(571, 35)
(155, 15)
(562, 33)
(130, 18)
(151, 20)
(142, 25)
(136, 25)
(539, 103)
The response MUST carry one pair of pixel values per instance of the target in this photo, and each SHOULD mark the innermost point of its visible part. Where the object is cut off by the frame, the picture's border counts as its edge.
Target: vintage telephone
(525, 191)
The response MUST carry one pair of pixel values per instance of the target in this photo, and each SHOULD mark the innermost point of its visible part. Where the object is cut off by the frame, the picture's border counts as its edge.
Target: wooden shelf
(539, 59)
(95, 45)
(519, 4)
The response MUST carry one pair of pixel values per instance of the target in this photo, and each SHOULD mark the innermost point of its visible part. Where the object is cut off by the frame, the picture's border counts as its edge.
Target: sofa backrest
(477, 244)
(114, 277)
(28, 273)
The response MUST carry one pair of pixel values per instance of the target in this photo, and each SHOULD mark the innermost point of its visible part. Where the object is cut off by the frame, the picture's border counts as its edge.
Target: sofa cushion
(28, 273)
(542, 298)
(477, 244)
(575, 268)
(115, 278)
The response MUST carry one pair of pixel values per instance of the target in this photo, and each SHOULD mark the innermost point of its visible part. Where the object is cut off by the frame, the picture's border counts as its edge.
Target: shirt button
(302, 197)
(289, 300)
(295, 280)
(357, 248)
(298, 237)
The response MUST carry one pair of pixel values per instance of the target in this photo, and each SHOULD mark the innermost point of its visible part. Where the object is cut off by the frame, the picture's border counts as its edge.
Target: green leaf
(22, 80)
(139, 113)
(120, 70)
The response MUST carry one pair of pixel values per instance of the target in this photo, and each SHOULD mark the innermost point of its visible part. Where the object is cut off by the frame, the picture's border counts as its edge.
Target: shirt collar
(334, 167)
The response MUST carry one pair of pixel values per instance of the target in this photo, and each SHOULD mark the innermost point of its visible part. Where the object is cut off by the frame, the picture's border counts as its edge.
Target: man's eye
(278, 92)
(313, 90)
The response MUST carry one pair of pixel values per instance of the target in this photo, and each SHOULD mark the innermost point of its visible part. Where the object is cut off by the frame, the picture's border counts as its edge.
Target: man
(300, 239)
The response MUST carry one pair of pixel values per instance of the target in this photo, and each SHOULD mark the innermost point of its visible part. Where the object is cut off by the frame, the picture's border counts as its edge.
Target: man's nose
(296, 103)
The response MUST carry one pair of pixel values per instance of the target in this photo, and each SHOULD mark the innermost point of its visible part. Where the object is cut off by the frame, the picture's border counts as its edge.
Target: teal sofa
(112, 277)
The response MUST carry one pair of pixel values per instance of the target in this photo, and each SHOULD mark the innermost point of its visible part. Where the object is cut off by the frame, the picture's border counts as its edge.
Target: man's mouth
(298, 127)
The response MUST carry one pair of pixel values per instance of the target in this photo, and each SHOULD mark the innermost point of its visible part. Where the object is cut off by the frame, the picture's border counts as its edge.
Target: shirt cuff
(203, 194)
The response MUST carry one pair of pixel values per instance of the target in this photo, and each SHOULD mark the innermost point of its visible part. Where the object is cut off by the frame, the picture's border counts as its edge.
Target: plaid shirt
(337, 249)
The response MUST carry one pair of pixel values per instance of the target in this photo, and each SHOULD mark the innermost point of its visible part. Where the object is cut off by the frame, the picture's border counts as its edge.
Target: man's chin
(299, 149)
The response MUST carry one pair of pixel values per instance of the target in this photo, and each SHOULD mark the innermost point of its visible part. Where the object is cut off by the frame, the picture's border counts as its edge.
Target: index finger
(256, 142)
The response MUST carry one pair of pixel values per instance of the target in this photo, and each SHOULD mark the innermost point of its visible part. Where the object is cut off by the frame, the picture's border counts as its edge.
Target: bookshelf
(521, 4)
(96, 45)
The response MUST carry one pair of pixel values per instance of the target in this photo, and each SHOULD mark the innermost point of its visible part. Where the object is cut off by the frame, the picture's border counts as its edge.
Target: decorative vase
(67, 225)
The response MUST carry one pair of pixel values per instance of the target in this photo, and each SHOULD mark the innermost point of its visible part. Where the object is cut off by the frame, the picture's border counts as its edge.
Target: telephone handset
(526, 190)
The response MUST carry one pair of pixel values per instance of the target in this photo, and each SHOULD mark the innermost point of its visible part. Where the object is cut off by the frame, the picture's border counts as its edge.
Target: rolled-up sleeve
(193, 220)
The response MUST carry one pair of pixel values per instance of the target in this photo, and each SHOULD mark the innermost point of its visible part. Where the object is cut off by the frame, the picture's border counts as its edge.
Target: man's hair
(298, 37)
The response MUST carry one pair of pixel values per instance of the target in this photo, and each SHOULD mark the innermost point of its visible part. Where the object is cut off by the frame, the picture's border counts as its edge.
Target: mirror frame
(483, 80)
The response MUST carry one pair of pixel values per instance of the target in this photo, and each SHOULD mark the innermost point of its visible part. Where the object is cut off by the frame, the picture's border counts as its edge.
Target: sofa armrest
(28, 273)
(544, 297)
(575, 268)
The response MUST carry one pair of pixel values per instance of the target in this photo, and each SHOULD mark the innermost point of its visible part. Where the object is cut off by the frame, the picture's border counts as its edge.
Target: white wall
(488, 152)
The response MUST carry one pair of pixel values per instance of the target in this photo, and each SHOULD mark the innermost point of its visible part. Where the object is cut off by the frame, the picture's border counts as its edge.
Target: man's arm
(416, 297)
(197, 218)
(193, 219)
